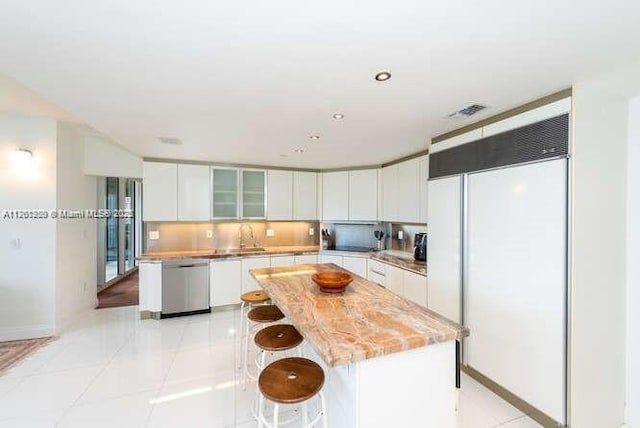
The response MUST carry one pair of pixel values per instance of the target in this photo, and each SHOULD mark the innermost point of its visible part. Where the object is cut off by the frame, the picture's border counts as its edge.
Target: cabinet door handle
(379, 273)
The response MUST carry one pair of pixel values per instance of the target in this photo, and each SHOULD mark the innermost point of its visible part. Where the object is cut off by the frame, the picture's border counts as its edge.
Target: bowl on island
(332, 281)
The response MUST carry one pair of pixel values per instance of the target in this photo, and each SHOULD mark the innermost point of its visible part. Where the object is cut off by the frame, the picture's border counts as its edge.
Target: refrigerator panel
(516, 284)
(443, 248)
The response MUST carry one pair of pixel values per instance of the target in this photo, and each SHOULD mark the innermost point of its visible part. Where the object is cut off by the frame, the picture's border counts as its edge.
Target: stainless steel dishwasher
(185, 287)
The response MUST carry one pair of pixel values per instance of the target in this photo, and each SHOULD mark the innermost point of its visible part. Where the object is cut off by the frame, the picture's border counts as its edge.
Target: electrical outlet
(271, 233)
(153, 235)
(311, 231)
(15, 244)
(84, 287)
(400, 235)
(209, 233)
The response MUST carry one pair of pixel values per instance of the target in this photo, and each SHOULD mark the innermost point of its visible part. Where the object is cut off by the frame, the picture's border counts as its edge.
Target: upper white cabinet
(160, 191)
(363, 195)
(280, 195)
(238, 193)
(305, 200)
(335, 195)
(225, 186)
(407, 191)
(423, 178)
(193, 192)
(390, 193)
(253, 201)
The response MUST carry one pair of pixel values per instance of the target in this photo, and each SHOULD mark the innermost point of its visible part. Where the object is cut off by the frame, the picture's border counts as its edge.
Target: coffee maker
(420, 247)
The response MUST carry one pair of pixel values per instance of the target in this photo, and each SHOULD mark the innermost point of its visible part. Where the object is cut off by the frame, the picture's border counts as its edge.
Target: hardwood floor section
(124, 293)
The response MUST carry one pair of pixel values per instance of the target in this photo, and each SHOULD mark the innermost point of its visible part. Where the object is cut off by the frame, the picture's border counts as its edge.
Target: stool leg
(276, 409)
(240, 336)
(305, 414)
(245, 351)
(261, 411)
(323, 409)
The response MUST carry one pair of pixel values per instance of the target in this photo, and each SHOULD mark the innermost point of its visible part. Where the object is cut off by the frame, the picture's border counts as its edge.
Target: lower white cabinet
(282, 261)
(415, 288)
(305, 259)
(411, 286)
(357, 265)
(248, 283)
(225, 281)
(376, 272)
(330, 258)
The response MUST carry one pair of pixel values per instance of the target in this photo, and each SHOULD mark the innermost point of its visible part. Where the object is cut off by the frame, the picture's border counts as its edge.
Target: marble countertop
(218, 254)
(400, 259)
(366, 321)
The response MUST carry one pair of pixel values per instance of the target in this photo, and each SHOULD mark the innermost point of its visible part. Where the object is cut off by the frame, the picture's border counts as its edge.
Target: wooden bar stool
(260, 315)
(276, 338)
(291, 381)
(250, 299)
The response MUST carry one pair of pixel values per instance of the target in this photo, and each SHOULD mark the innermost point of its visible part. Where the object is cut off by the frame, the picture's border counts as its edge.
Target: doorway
(119, 233)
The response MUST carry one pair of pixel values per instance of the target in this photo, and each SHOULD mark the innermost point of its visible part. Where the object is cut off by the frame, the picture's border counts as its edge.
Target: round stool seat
(254, 296)
(279, 337)
(266, 313)
(291, 380)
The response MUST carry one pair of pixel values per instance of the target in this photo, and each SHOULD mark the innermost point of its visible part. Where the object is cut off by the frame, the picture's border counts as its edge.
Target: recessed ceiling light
(338, 116)
(315, 137)
(170, 140)
(299, 150)
(283, 155)
(382, 76)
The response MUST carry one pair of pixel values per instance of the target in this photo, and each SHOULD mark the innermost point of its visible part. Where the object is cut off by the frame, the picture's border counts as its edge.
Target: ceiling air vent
(170, 140)
(467, 111)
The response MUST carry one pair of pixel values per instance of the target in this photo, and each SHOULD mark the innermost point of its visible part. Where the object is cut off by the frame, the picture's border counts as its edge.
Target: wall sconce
(20, 156)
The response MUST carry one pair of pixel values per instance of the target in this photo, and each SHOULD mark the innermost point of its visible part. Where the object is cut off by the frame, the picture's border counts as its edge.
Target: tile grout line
(104, 367)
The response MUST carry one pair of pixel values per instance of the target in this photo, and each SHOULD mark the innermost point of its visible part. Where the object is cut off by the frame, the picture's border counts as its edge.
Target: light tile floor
(113, 370)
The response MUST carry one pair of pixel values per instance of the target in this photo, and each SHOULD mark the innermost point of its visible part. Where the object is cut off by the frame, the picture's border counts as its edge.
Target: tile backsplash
(207, 236)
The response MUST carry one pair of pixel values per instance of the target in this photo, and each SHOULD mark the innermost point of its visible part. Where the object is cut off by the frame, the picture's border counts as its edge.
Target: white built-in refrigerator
(497, 263)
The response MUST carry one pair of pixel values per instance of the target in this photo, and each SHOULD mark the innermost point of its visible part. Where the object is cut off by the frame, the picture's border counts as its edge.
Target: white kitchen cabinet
(194, 195)
(225, 192)
(394, 278)
(282, 261)
(415, 288)
(159, 191)
(248, 263)
(330, 258)
(253, 193)
(423, 177)
(407, 191)
(225, 282)
(305, 199)
(357, 265)
(363, 195)
(390, 193)
(335, 195)
(248, 282)
(280, 195)
(376, 272)
(305, 259)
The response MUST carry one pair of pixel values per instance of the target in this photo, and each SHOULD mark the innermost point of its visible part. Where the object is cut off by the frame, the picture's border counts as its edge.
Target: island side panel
(411, 388)
(150, 286)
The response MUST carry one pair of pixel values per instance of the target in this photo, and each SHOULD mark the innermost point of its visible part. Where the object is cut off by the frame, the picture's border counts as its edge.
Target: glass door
(225, 193)
(253, 193)
(111, 233)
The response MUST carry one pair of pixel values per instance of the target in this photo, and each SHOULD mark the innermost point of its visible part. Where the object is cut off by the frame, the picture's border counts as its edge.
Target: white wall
(597, 360)
(105, 158)
(75, 238)
(633, 268)
(27, 274)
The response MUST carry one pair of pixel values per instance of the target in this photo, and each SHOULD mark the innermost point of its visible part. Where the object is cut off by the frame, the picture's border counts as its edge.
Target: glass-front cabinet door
(225, 192)
(254, 193)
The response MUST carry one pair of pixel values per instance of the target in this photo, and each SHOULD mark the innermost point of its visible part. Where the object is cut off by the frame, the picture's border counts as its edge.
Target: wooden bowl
(333, 281)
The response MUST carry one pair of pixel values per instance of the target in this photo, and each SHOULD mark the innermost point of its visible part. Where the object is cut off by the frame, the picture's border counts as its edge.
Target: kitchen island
(387, 361)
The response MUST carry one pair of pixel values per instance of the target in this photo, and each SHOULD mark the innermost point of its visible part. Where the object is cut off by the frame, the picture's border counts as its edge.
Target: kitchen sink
(239, 250)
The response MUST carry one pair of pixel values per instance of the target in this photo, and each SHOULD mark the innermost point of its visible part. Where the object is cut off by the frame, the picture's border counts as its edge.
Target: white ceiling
(249, 81)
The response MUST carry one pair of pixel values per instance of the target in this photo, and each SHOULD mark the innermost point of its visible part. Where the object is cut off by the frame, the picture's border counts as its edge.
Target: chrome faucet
(241, 235)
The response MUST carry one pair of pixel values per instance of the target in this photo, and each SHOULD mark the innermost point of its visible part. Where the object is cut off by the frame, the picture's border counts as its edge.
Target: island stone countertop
(225, 253)
(366, 321)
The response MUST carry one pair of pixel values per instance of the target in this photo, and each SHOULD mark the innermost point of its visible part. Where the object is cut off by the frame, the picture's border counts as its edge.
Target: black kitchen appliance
(420, 247)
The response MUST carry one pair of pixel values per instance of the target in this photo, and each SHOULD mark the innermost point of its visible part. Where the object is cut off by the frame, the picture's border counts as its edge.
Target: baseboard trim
(28, 332)
(517, 402)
